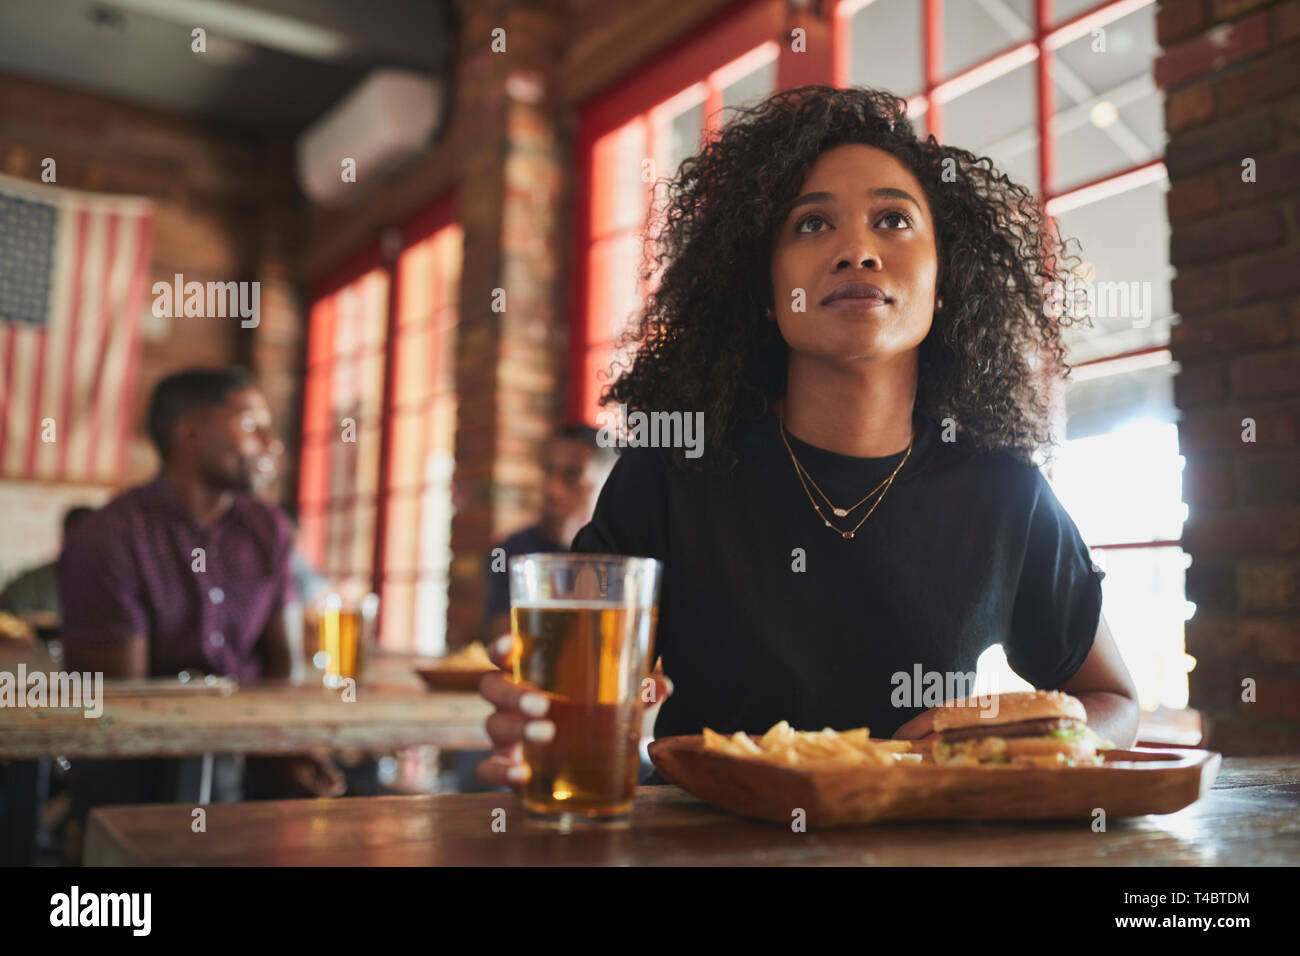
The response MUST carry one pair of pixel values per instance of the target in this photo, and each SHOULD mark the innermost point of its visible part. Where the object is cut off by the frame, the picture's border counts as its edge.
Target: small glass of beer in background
(584, 627)
(345, 631)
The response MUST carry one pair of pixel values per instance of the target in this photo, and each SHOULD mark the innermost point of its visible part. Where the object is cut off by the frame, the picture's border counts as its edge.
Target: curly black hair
(702, 340)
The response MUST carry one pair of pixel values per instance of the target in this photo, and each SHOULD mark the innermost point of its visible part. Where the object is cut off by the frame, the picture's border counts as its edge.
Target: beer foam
(572, 604)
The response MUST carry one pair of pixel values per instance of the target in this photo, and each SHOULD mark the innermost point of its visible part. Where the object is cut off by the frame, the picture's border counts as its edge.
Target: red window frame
(423, 224)
(707, 60)
(365, 261)
(940, 89)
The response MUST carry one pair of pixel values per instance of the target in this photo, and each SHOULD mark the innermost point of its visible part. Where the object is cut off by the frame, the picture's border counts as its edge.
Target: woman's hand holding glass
(521, 714)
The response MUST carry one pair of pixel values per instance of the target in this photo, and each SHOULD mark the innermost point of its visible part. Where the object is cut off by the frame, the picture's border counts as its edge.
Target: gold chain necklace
(838, 512)
(800, 471)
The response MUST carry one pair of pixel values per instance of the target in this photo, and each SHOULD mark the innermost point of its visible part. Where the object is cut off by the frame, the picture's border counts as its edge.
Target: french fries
(824, 748)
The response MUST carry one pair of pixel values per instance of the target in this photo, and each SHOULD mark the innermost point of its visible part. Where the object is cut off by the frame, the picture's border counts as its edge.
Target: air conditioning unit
(389, 117)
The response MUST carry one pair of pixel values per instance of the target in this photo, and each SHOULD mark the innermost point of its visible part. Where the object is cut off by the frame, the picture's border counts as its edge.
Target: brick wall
(509, 363)
(275, 350)
(225, 210)
(1229, 69)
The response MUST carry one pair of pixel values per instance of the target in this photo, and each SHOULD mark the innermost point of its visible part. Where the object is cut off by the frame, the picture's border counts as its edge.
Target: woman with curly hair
(870, 324)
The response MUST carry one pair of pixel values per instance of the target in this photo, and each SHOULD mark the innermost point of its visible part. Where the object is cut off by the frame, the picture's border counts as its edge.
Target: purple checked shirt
(135, 567)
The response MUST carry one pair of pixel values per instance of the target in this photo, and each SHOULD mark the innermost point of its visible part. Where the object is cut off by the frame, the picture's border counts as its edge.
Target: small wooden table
(266, 717)
(391, 711)
(1252, 816)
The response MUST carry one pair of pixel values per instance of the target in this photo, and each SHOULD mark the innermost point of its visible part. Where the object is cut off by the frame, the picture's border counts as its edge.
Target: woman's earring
(938, 304)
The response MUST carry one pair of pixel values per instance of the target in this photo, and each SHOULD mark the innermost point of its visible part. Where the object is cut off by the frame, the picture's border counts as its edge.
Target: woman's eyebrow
(889, 191)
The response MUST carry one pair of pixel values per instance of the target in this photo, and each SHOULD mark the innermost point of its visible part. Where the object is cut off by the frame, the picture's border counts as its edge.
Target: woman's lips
(856, 296)
(855, 303)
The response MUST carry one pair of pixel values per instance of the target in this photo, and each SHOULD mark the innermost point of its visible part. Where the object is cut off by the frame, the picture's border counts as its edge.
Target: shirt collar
(163, 497)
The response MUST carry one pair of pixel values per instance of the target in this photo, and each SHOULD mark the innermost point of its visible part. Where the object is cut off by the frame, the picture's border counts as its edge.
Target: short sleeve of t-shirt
(1058, 599)
(631, 512)
(99, 587)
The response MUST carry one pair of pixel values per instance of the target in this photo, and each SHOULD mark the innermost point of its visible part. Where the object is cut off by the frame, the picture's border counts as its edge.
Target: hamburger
(1030, 729)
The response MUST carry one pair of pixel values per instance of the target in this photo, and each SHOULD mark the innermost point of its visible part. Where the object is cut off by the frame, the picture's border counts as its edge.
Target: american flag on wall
(73, 269)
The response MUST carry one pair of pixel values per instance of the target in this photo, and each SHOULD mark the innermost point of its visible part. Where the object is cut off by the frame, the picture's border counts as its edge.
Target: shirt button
(216, 595)
(216, 639)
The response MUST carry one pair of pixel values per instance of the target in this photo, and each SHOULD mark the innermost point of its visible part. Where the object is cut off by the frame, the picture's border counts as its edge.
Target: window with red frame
(629, 140)
(341, 428)
(422, 418)
(379, 429)
(1060, 94)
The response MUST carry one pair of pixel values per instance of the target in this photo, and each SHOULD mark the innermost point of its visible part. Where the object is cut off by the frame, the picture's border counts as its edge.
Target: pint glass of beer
(345, 623)
(584, 627)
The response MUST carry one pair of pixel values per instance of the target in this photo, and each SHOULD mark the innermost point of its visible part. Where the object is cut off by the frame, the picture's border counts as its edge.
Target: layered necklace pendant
(840, 532)
(805, 478)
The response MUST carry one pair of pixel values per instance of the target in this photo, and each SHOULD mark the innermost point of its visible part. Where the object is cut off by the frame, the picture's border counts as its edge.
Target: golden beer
(344, 631)
(589, 658)
(339, 637)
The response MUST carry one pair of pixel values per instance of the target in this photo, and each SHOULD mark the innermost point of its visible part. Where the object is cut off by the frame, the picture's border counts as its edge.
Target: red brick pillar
(508, 363)
(1231, 72)
(276, 346)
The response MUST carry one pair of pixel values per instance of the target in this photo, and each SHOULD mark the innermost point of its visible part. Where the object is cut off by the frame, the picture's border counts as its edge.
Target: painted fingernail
(539, 731)
(503, 645)
(534, 705)
(517, 774)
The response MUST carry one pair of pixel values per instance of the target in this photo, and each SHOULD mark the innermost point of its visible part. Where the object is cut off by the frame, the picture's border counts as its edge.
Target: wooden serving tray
(1131, 783)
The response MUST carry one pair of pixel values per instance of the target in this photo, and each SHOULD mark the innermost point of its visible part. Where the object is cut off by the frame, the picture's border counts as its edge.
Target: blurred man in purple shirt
(190, 571)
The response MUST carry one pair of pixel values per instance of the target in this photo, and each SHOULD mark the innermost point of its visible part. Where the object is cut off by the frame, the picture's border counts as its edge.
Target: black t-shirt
(967, 549)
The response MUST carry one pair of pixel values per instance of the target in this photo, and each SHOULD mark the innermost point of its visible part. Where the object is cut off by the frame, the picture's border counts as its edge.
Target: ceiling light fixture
(1103, 114)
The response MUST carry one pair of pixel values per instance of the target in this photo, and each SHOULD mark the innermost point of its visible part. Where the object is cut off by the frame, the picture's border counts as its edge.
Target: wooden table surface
(269, 717)
(1251, 817)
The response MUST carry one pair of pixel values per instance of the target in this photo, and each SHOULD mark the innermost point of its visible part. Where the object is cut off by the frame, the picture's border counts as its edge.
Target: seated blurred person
(190, 572)
(576, 469)
(37, 591)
